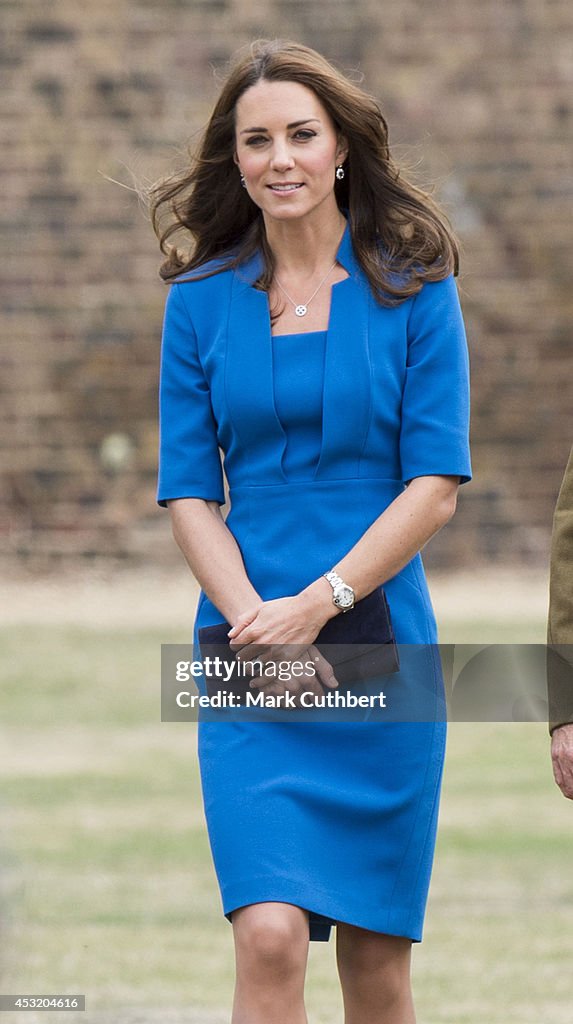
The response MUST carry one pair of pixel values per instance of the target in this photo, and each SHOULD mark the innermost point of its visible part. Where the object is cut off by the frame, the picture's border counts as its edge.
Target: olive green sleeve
(560, 622)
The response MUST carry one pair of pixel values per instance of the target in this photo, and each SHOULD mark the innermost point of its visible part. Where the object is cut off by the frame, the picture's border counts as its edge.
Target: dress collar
(249, 373)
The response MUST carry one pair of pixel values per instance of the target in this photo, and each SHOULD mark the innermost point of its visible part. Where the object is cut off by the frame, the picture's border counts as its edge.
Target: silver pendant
(300, 310)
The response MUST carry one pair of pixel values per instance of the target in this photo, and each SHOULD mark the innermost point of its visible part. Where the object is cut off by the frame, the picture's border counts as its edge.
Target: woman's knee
(366, 956)
(272, 936)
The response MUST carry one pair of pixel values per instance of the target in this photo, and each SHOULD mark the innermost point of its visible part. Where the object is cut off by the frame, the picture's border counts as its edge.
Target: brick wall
(478, 96)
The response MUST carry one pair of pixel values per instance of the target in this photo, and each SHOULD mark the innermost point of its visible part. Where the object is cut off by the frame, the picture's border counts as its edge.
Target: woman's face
(284, 136)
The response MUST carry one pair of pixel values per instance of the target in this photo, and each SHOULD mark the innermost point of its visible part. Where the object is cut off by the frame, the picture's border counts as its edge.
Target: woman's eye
(303, 135)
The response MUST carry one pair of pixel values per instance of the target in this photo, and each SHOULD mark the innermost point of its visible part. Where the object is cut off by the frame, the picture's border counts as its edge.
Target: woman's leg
(374, 973)
(271, 951)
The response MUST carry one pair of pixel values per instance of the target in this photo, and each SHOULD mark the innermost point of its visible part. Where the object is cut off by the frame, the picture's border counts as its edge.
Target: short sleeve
(434, 432)
(189, 461)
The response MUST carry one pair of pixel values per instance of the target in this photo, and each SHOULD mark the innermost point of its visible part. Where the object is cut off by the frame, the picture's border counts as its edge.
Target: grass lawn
(106, 880)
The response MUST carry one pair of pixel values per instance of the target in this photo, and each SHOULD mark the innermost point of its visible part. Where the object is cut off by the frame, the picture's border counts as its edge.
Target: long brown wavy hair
(400, 236)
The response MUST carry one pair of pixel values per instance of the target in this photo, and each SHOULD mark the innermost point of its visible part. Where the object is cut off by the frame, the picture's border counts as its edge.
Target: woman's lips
(285, 189)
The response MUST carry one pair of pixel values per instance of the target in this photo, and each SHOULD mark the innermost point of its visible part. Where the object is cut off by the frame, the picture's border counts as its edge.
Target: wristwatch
(342, 594)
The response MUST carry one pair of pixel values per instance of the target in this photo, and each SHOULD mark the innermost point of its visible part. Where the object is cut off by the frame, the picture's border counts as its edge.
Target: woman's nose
(281, 158)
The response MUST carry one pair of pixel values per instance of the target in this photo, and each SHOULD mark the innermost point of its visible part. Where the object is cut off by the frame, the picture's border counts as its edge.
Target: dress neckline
(298, 334)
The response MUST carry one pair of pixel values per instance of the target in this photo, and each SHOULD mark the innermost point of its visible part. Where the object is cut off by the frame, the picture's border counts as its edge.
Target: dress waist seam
(319, 483)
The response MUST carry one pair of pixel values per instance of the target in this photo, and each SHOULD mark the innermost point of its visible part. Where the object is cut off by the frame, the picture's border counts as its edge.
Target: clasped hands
(266, 631)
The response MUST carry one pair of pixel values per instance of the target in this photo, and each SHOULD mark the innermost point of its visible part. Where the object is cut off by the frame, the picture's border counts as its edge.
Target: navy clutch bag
(359, 644)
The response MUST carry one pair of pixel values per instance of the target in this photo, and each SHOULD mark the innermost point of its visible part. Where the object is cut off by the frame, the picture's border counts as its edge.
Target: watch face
(344, 597)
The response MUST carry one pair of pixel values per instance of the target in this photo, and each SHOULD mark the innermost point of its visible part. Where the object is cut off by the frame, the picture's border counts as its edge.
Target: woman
(314, 336)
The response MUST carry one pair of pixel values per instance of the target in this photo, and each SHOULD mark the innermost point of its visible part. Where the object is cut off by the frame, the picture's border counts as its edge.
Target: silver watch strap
(334, 579)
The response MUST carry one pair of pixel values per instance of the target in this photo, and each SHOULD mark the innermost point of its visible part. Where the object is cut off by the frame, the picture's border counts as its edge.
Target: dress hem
(323, 910)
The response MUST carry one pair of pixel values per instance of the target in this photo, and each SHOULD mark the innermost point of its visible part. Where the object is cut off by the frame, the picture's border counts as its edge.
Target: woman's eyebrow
(293, 124)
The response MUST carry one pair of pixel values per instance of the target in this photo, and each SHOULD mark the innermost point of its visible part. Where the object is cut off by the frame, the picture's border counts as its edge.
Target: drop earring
(243, 182)
(340, 172)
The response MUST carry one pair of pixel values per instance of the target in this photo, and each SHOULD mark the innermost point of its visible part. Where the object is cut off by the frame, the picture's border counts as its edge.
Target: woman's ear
(342, 149)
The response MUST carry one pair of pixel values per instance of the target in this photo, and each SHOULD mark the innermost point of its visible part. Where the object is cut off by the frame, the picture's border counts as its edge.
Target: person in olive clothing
(560, 637)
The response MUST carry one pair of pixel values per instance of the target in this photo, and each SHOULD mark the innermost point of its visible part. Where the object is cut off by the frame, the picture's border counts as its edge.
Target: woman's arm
(215, 560)
(387, 545)
(391, 541)
(213, 555)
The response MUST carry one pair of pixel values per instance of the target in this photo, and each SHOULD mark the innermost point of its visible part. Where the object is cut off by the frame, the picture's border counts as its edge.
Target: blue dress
(320, 432)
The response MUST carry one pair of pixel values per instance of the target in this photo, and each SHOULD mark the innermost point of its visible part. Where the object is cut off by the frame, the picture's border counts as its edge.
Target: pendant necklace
(301, 308)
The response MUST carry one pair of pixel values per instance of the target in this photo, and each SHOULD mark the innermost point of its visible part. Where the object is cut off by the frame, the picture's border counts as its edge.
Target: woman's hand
(282, 630)
(312, 673)
(285, 623)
